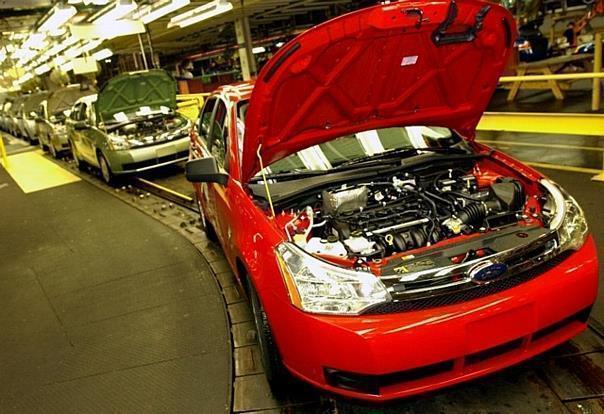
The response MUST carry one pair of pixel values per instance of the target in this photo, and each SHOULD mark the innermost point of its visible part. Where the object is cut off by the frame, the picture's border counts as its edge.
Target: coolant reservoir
(316, 245)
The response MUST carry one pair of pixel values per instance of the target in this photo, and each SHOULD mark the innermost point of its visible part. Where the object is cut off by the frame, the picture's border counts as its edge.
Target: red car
(384, 251)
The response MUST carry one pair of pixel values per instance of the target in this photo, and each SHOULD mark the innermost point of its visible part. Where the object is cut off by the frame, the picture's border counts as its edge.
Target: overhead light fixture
(258, 50)
(279, 44)
(107, 31)
(207, 11)
(28, 76)
(35, 41)
(119, 9)
(102, 54)
(59, 47)
(158, 10)
(40, 70)
(59, 16)
(80, 50)
(67, 66)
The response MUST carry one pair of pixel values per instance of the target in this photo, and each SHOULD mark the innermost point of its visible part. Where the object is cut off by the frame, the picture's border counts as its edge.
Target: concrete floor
(105, 309)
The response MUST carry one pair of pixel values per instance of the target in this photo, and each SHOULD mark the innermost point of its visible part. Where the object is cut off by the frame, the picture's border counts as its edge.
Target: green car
(50, 118)
(131, 126)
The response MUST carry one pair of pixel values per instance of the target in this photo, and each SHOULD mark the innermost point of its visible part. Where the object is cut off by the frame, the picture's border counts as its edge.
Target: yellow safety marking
(32, 172)
(543, 123)
(530, 144)
(3, 152)
(563, 167)
(556, 76)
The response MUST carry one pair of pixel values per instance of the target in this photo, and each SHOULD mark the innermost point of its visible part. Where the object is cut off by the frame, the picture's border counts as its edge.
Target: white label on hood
(409, 60)
(120, 117)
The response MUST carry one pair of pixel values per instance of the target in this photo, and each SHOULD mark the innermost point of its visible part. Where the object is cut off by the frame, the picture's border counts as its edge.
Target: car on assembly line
(5, 113)
(52, 114)
(384, 251)
(14, 116)
(29, 114)
(131, 126)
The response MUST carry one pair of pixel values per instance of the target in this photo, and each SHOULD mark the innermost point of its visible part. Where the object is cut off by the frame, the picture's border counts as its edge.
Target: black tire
(53, 150)
(276, 374)
(106, 172)
(76, 158)
(205, 225)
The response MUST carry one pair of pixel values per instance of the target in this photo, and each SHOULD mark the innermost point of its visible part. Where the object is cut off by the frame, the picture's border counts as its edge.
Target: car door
(218, 142)
(87, 139)
(199, 149)
(75, 135)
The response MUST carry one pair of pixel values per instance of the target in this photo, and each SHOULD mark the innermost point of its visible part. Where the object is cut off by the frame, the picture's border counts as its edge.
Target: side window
(219, 133)
(90, 116)
(203, 128)
(75, 113)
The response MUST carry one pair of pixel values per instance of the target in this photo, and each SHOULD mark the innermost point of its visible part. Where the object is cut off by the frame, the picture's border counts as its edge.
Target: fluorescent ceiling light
(207, 11)
(79, 50)
(67, 66)
(35, 41)
(42, 69)
(119, 9)
(60, 15)
(258, 50)
(159, 9)
(107, 31)
(59, 47)
(280, 44)
(102, 54)
(26, 77)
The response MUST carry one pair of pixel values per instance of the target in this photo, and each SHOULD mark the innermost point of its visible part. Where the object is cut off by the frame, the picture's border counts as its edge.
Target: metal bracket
(441, 37)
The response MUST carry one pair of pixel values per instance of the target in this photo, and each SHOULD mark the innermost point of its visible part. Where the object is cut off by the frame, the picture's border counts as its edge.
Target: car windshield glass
(365, 146)
(63, 99)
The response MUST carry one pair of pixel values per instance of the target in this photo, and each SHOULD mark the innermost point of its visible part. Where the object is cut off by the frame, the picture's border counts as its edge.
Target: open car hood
(128, 92)
(407, 63)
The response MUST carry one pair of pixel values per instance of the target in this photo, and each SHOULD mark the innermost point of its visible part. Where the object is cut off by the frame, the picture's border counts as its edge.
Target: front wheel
(276, 374)
(206, 226)
(76, 157)
(52, 150)
(106, 172)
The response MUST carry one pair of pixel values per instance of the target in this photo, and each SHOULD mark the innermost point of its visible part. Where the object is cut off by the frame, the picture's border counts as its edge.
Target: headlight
(567, 218)
(319, 287)
(117, 143)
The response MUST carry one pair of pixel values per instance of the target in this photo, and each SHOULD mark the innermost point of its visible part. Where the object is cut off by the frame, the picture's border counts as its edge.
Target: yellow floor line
(32, 172)
(530, 144)
(564, 167)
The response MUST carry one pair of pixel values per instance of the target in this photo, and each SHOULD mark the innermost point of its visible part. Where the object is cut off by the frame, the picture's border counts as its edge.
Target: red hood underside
(407, 63)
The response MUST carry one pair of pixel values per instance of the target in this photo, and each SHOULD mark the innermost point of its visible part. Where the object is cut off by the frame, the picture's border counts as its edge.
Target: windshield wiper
(296, 175)
(371, 159)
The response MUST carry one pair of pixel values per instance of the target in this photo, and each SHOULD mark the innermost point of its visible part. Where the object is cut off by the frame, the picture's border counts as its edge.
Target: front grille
(475, 292)
(155, 161)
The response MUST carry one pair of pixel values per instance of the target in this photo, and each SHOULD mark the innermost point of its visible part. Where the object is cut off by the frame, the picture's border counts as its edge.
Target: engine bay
(404, 212)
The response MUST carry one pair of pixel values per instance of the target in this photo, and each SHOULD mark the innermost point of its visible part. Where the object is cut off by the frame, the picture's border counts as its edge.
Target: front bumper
(406, 353)
(147, 158)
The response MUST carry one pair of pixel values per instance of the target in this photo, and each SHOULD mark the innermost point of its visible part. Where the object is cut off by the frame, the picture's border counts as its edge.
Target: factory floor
(103, 308)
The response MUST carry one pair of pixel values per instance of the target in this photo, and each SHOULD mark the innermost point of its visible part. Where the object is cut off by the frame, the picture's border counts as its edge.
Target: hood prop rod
(263, 173)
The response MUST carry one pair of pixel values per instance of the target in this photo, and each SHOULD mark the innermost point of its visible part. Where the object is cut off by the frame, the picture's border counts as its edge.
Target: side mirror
(205, 170)
(80, 125)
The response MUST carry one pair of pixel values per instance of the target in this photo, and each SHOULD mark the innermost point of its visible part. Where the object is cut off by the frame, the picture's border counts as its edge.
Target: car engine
(374, 220)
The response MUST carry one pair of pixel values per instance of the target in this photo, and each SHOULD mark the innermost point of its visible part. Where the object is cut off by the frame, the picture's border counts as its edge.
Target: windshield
(63, 99)
(364, 146)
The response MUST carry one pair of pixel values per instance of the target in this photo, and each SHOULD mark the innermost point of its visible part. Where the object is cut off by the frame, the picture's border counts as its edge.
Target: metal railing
(596, 75)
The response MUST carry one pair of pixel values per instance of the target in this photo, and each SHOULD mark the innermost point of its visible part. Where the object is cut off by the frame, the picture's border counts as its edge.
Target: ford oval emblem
(487, 272)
